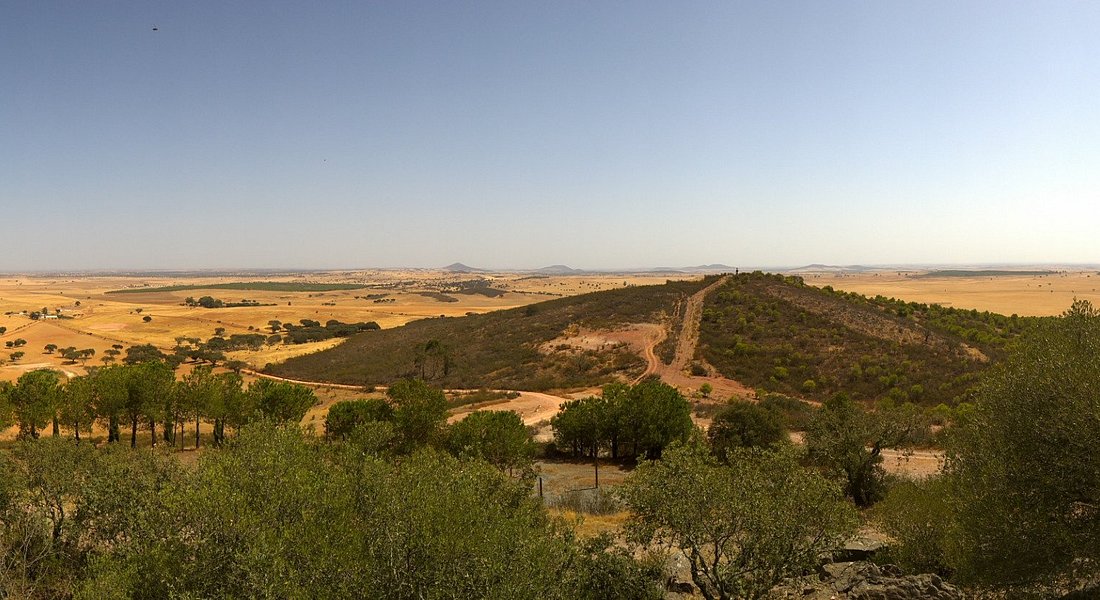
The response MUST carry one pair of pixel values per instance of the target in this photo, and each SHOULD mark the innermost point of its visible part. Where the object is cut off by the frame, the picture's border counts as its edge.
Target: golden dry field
(90, 317)
(1024, 295)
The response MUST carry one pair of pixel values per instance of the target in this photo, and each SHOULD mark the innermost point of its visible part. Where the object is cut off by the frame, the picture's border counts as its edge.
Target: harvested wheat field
(1003, 292)
(99, 311)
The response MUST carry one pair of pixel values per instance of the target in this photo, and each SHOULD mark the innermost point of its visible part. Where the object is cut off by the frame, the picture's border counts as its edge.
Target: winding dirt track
(689, 333)
(676, 373)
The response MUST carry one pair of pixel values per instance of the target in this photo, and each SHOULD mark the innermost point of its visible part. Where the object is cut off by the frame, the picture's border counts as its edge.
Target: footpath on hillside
(677, 372)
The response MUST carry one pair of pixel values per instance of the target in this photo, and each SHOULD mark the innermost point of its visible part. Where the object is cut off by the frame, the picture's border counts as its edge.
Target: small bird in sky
(155, 28)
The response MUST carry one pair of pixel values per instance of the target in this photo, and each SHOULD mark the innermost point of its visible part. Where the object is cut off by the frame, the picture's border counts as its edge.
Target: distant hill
(776, 333)
(820, 268)
(498, 349)
(559, 270)
(461, 268)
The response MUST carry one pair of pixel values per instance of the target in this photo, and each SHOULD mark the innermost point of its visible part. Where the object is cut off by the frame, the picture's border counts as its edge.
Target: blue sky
(520, 134)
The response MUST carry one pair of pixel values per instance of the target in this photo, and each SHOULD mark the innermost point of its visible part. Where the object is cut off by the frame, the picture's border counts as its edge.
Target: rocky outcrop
(867, 581)
(860, 580)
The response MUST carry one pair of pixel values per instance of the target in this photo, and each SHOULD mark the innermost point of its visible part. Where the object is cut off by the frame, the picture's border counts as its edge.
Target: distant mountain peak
(461, 268)
(559, 270)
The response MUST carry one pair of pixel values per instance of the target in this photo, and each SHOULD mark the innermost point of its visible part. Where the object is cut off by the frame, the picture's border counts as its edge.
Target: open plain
(1027, 295)
(100, 311)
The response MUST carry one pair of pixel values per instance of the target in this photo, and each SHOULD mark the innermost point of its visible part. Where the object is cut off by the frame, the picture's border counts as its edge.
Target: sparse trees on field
(85, 354)
(50, 348)
(70, 354)
(15, 356)
(143, 353)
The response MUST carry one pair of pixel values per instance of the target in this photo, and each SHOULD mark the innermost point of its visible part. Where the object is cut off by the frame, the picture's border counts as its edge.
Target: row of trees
(144, 396)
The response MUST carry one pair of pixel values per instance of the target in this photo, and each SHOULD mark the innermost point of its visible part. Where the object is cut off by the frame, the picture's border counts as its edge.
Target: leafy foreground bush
(1016, 513)
(276, 515)
(744, 526)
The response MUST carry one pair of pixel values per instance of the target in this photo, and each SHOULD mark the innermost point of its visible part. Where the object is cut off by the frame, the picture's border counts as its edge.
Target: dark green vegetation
(985, 273)
(378, 511)
(309, 330)
(778, 334)
(145, 396)
(626, 421)
(1017, 509)
(743, 525)
(848, 440)
(257, 286)
(745, 425)
(499, 349)
(211, 302)
(438, 296)
(276, 514)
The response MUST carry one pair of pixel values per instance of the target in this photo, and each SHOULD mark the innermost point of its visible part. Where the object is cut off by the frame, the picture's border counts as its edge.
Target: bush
(587, 502)
(344, 417)
(745, 425)
(918, 515)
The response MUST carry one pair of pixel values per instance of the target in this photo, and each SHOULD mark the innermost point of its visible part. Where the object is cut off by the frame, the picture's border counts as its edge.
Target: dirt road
(676, 374)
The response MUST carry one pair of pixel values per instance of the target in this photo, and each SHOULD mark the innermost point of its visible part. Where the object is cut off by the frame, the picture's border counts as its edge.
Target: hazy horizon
(604, 137)
(583, 269)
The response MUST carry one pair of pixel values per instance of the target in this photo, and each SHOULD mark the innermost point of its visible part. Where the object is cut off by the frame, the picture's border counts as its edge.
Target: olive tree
(745, 525)
(849, 439)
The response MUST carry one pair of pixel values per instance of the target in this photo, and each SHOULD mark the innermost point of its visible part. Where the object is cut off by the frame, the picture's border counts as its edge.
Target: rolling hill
(768, 332)
(499, 349)
(776, 333)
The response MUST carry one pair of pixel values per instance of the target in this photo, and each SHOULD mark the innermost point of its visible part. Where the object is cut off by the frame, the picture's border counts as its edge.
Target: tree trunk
(112, 429)
(196, 432)
(56, 427)
(133, 432)
(153, 433)
(76, 430)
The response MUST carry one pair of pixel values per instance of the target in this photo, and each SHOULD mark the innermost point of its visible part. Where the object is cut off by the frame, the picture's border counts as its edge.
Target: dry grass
(104, 319)
(1024, 295)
